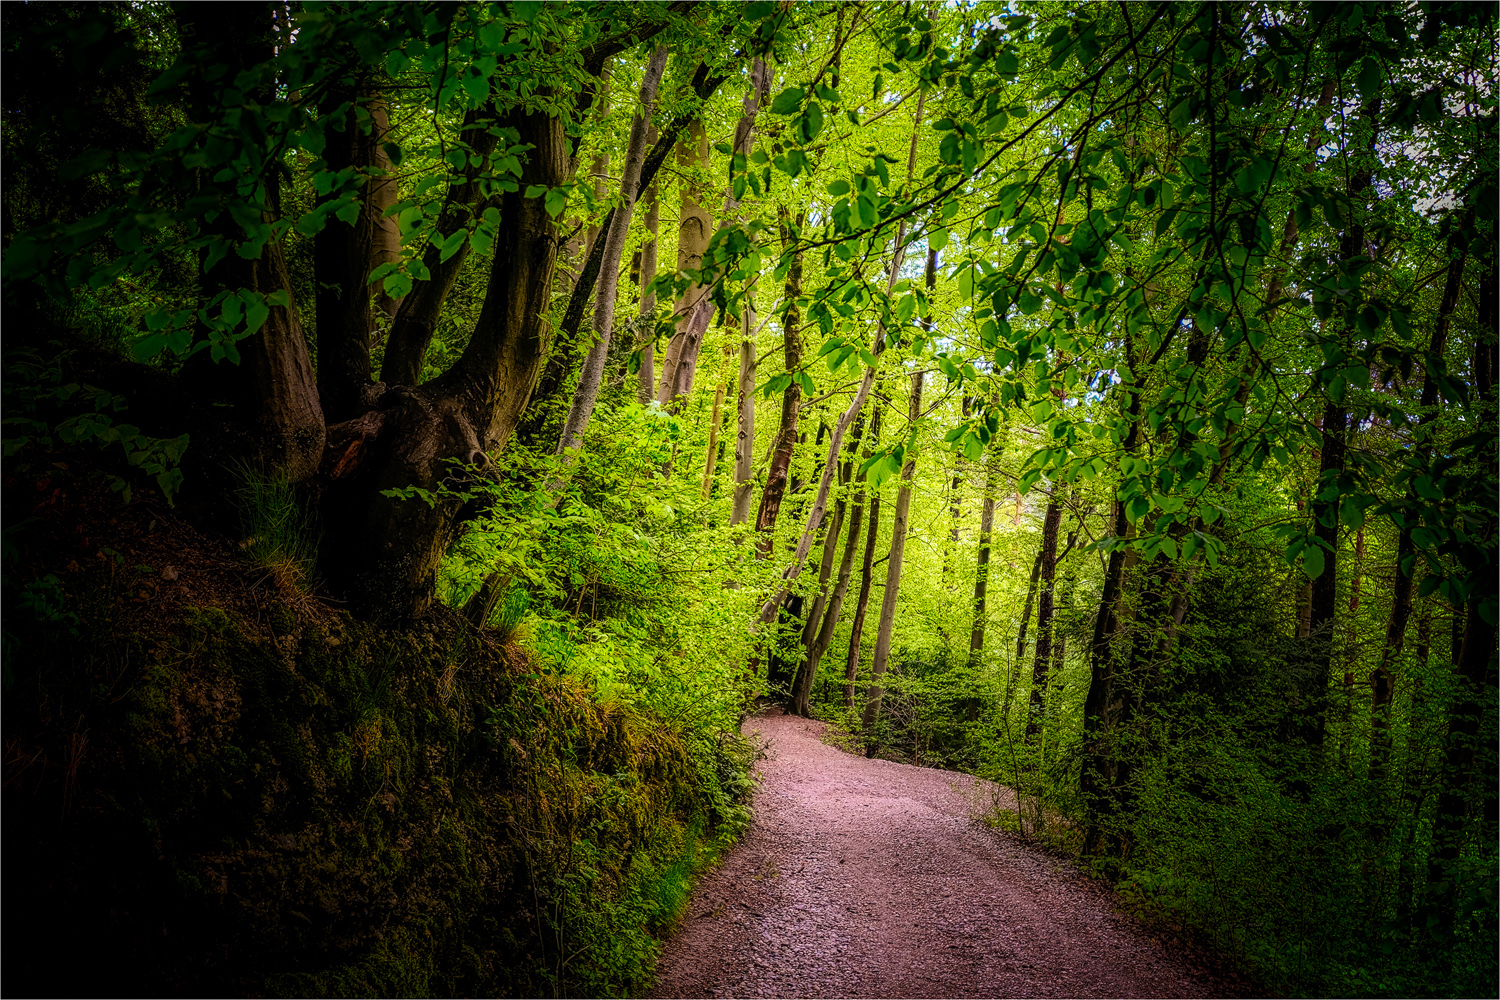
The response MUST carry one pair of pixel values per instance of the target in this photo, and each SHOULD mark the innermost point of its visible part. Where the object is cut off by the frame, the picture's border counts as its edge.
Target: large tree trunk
(880, 659)
(417, 316)
(275, 418)
(592, 376)
(342, 260)
(389, 547)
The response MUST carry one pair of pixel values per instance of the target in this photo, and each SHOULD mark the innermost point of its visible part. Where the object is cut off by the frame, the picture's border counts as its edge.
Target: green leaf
(838, 188)
(937, 239)
(1312, 561)
(788, 101)
(477, 87)
(452, 245)
(1371, 76)
(256, 310)
(397, 285)
(811, 123)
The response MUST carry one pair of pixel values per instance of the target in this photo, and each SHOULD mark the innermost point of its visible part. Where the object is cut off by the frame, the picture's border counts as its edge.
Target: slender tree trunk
(955, 485)
(744, 439)
(982, 571)
(711, 459)
(1454, 800)
(1382, 683)
(647, 383)
(1036, 576)
(879, 660)
(804, 545)
(599, 170)
(824, 638)
(867, 574)
(823, 617)
(1043, 659)
(1326, 500)
(693, 309)
(560, 363)
(774, 491)
(592, 376)
(384, 192)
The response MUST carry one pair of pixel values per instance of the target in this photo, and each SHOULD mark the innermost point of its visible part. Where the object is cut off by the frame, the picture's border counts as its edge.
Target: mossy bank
(266, 797)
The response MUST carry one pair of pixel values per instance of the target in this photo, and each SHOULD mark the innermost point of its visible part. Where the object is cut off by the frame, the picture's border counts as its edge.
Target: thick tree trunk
(275, 418)
(417, 316)
(592, 376)
(389, 547)
(343, 256)
(879, 660)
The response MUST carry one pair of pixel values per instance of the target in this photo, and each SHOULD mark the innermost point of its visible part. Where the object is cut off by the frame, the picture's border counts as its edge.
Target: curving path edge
(869, 878)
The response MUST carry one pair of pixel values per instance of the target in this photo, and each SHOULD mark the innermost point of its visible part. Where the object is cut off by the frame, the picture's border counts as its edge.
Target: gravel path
(868, 878)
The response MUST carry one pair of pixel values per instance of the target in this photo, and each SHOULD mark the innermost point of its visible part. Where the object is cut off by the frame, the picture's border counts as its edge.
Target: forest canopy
(1138, 359)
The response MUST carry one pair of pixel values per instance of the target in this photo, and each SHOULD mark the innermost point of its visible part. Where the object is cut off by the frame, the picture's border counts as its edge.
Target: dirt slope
(868, 878)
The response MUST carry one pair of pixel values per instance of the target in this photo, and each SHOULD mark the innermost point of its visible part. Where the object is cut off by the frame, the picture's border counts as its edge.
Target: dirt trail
(867, 878)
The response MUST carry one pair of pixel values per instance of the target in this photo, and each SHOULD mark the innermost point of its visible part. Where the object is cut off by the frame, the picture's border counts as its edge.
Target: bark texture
(880, 659)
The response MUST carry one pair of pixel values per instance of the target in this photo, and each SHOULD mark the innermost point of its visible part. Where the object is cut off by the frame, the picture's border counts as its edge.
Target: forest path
(868, 878)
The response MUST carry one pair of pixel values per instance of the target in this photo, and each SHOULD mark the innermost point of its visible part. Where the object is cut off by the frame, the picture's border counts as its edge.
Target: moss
(327, 808)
